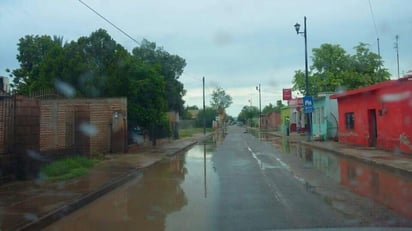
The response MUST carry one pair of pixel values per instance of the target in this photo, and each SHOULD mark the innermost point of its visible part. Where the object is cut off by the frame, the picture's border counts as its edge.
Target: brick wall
(7, 161)
(33, 132)
(106, 127)
(3, 112)
(271, 121)
(26, 136)
(109, 117)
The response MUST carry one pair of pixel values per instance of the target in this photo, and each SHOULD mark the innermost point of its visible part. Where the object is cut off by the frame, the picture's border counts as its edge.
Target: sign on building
(295, 102)
(287, 93)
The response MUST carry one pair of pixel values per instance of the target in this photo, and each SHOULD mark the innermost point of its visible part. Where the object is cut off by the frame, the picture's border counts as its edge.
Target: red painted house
(379, 115)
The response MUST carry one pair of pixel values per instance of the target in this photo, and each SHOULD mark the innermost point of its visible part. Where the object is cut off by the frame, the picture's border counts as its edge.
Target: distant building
(379, 115)
(4, 85)
(297, 116)
(174, 119)
(194, 113)
(271, 121)
(325, 117)
(284, 119)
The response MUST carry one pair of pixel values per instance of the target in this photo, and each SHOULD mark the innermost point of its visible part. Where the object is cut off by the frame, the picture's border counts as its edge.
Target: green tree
(97, 66)
(186, 113)
(170, 67)
(273, 108)
(333, 68)
(220, 100)
(209, 115)
(33, 50)
(248, 113)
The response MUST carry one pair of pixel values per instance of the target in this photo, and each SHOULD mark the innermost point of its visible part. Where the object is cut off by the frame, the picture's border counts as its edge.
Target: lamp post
(308, 115)
(260, 106)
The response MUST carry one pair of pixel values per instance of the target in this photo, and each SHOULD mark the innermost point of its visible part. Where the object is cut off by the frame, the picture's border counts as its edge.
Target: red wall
(394, 126)
(271, 121)
(392, 190)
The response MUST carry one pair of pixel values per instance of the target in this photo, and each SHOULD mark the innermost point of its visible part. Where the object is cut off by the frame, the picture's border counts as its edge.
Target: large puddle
(179, 193)
(389, 187)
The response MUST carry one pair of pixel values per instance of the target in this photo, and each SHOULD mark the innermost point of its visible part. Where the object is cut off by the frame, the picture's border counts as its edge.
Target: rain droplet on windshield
(36, 156)
(340, 90)
(64, 88)
(88, 129)
(31, 216)
(395, 97)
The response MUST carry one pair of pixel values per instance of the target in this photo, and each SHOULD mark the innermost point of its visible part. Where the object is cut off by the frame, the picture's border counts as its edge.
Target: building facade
(379, 115)
(325, 117)
(271, 121)
(297, 116)
(284, 119)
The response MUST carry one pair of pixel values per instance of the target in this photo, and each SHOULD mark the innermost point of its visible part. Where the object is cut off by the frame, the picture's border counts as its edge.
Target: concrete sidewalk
(31, 205)
(371, 155)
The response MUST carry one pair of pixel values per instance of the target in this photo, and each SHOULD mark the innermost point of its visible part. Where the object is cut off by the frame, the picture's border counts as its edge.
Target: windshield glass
(205, 115)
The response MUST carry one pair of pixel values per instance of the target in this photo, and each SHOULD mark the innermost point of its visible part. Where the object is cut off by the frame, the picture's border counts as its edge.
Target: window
(349, 120)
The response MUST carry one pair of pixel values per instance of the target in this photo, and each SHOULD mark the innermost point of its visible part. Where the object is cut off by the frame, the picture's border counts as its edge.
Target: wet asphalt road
(258, 192)
(233, 182)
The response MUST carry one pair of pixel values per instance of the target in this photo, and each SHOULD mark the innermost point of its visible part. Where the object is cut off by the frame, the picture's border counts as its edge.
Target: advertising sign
(287, 93)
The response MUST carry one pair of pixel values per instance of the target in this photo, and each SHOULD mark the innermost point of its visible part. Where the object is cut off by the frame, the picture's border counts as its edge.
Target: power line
(374, 24)
(108, 21)
(373, 18)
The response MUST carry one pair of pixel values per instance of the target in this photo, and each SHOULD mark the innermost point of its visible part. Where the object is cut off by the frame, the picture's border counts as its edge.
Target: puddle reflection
(384, 186)
(163, 198)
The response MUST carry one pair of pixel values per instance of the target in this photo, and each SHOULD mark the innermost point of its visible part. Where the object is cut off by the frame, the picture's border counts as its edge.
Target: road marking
(265, 165)
(283, 164)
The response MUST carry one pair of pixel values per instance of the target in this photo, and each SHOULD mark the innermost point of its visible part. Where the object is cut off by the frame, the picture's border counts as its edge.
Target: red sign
(295, 102)
(287, 93)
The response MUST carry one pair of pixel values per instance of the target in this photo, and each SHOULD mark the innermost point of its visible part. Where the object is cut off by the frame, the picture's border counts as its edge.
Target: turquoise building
(325, 117)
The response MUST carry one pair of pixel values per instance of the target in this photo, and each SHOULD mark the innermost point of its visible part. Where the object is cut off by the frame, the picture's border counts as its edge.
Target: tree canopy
(209, 114)
(248, 113)
(97, 66)
(273, 108)
(220, 100)
(170, 67)
(333, 68)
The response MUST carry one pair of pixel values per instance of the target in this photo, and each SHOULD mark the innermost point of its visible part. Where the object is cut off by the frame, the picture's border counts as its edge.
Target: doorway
(373, 130)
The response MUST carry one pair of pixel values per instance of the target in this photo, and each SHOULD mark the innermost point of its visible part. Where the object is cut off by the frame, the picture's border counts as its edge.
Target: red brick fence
(34, 132)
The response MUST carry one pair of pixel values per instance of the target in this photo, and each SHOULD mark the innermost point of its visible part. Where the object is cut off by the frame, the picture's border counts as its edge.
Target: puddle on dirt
(389, 187)
(178, 193)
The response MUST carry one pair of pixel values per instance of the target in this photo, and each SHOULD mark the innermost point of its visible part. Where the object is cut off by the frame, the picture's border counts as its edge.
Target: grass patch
(67, 168)
(189, 132)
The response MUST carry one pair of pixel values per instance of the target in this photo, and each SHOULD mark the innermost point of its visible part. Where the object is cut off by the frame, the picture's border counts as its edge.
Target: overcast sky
(234, 44)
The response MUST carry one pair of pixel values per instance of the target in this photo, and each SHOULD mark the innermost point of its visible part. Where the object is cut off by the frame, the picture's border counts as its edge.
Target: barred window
(349, 120)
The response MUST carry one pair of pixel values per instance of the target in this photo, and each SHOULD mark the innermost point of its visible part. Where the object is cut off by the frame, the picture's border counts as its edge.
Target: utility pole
(204, 108)
(397, 52)
(379, 48)
(260, 106)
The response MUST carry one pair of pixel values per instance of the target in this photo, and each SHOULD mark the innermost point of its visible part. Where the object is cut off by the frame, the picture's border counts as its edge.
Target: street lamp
(260, 106)
(308, 115)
